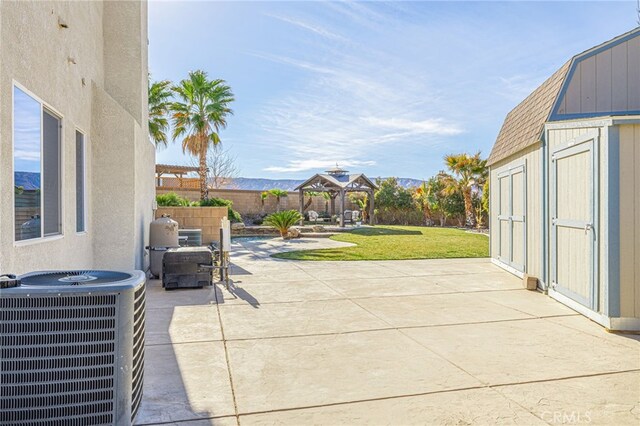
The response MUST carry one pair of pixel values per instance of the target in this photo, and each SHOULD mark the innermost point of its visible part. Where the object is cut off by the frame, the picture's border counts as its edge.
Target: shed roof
(524, 125)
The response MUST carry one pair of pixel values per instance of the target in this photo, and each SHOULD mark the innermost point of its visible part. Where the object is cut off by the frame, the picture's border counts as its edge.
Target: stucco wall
(73, 70)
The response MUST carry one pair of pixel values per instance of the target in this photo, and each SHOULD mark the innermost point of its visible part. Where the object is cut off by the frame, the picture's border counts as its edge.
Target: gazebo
(178, 172)
(337, 182)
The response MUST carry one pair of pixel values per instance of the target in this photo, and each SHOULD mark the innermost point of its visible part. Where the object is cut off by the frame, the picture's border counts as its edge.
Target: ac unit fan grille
(57, 360)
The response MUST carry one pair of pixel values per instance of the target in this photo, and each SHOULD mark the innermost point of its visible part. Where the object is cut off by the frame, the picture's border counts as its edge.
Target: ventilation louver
(72, 348)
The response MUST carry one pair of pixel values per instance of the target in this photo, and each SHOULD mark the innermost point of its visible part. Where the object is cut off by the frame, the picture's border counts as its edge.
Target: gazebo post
(342, 208)
(333, 203)
(371, 207)
(301, 196)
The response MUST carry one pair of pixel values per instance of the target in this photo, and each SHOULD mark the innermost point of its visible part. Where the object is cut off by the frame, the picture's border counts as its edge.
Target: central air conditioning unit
(72, 348)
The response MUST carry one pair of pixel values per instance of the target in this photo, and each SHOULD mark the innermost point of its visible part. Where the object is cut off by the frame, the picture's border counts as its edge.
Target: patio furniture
(348, 216)
(313, 216)
(187, 267)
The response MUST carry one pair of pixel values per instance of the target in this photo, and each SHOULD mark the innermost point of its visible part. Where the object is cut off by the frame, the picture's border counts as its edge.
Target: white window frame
(43, 105)
(84, 182)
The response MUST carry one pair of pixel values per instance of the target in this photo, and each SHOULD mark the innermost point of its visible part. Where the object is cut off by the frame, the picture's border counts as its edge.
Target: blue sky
(382, 88)
(26, 129)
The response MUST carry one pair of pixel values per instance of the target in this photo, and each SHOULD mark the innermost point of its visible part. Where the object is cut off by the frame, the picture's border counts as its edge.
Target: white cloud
(436, 126)
(351, 110)
(304, 165)
(313, 28)
(25, 155)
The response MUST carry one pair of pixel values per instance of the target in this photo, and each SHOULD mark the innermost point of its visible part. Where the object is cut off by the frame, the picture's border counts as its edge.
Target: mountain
(259, 184)
(27, 180)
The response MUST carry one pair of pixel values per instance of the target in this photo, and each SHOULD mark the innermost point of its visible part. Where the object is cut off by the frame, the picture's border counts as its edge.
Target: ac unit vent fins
(58, 357)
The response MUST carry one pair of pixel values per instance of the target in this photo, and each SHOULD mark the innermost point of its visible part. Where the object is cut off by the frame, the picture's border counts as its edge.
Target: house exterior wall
(532, 156)
(94, 73)
(629, 139)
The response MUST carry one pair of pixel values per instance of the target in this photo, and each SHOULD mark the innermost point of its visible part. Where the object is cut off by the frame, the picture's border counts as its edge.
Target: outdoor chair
(348, 216)
(313, 216)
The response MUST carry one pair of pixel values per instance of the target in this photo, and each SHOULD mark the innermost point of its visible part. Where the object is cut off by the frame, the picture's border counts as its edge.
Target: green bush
(233, 215)
(283, 220)
(171, 199)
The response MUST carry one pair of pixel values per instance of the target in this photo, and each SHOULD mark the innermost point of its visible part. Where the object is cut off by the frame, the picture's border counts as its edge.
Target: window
(36, 153)
(80, 190)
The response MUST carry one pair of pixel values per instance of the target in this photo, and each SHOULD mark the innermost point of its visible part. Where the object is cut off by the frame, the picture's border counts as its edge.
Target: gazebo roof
(167, 168)
(325, 182)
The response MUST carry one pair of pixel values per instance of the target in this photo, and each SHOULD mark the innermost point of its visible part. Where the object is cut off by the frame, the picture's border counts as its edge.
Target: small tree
(263, 198)
(307, 203)
(395, 203)
(436, 197)
(159, 102)
(471, 173)
(284, 220)
(453, 206)
(361, 199)
(222, 167)
(421, 195)
(279, 194)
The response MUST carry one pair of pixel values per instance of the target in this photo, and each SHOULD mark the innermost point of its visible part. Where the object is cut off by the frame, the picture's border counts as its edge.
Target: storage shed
(565, 185)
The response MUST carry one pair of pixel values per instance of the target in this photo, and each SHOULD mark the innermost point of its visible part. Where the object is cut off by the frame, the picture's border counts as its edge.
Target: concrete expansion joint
(226, 356)
(444, 391)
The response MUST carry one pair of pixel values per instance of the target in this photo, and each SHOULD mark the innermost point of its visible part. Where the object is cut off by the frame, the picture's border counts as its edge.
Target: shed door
(511, 217)
(573, 209)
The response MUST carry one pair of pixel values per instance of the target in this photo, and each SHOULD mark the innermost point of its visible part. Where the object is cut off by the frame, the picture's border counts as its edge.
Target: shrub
(171, 199)
(233, 215)
(283, 220)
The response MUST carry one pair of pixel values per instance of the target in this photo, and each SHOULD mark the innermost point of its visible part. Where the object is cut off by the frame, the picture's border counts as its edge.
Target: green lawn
(399, 242)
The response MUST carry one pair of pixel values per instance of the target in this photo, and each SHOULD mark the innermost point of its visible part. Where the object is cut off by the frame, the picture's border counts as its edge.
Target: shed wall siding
(606, 82)
(557, 137)
(533, 157)
(630, 221)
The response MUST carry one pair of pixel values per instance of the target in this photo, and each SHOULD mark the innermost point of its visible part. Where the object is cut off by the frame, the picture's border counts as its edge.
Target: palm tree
(310, 194)
(159, 96)
(471, 173)
(279, 194)
(198, 115)
(421, 195)
(263, 197)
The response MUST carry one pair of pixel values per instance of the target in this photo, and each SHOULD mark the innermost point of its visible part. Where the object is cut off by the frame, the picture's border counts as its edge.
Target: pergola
(177, 171)
(337, 182)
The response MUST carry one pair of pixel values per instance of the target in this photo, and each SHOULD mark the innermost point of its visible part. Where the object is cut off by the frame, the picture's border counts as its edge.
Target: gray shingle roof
(337, 182)
(524, 124)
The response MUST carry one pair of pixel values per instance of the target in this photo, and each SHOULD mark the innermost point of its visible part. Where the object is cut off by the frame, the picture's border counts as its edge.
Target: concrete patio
(386, 342)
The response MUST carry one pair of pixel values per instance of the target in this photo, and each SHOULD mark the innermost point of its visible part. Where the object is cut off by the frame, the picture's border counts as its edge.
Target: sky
(383, 88)
(27, 123)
